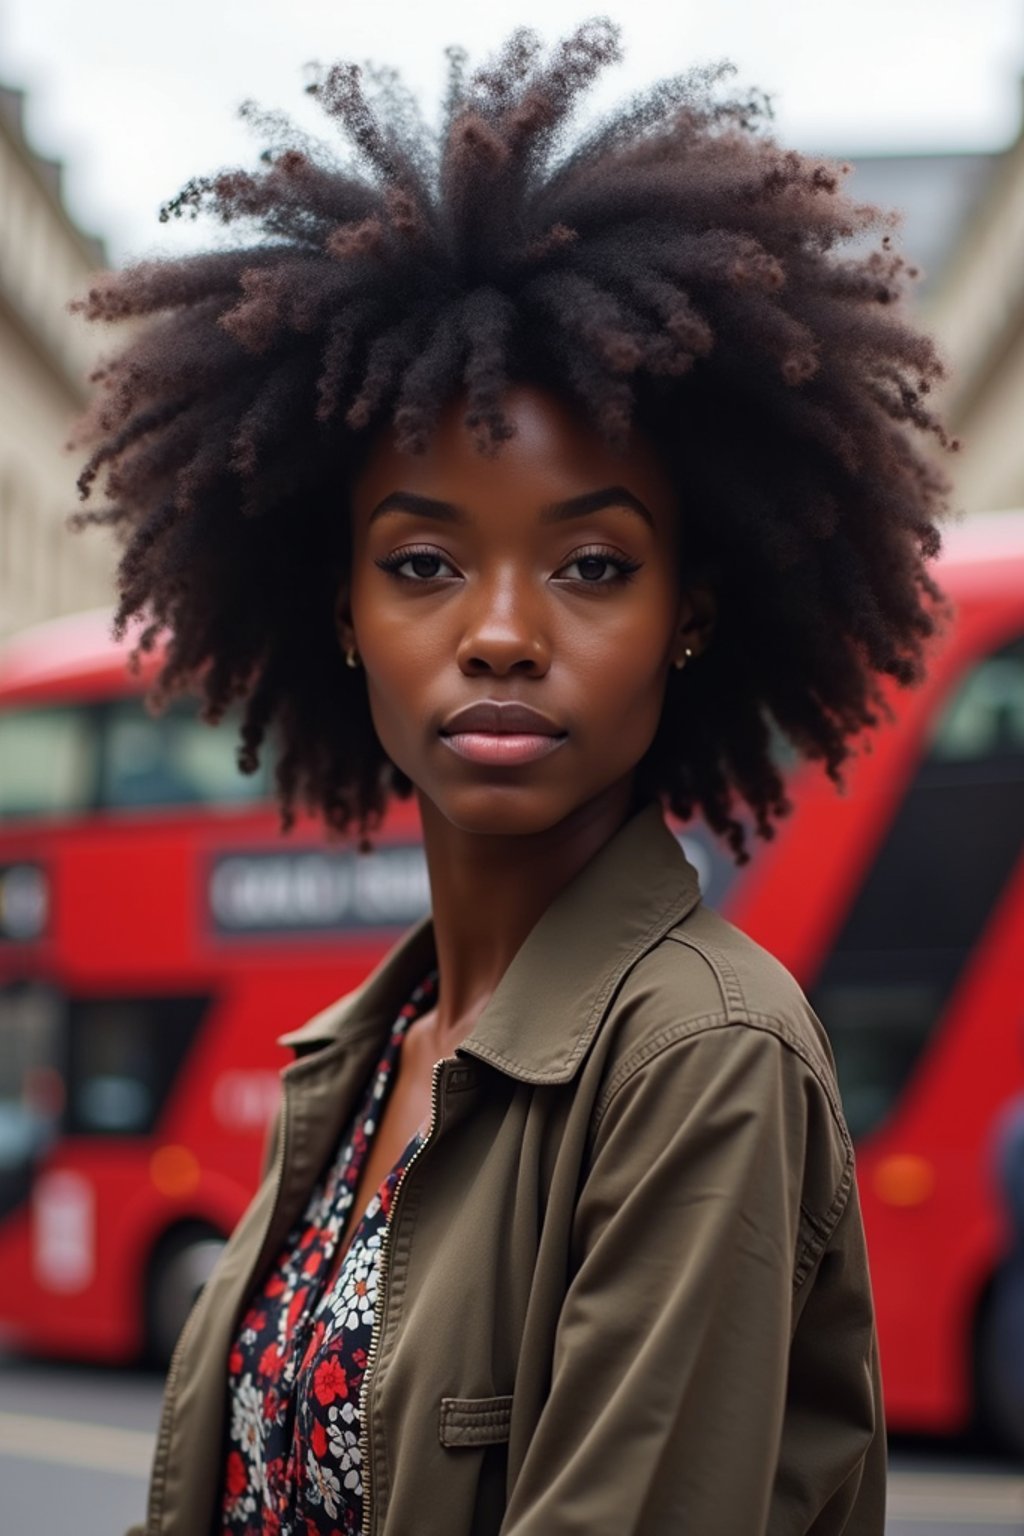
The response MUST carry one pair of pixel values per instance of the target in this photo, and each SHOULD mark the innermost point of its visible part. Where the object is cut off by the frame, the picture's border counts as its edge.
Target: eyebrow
(553, 512)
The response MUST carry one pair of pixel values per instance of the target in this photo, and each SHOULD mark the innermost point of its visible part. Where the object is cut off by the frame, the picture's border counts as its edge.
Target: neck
(488, 891)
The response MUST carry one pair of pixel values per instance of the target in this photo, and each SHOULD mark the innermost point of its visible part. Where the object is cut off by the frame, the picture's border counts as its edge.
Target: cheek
(625, 651)
(393, 717)
(390, 641)
(402, 662)
(622, 698)
(393, 683)
(385, 656)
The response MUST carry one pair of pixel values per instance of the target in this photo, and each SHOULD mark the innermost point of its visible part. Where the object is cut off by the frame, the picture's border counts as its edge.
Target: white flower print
(343, 1443)
(241, 1508)
(324, 1487)
(354, 1302)
(339, 1211)
(247, 1419)
(236, 1510)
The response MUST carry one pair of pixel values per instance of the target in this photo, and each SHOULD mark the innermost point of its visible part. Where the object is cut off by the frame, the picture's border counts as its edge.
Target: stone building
(964, 224)
(45, 356)
(977, 313)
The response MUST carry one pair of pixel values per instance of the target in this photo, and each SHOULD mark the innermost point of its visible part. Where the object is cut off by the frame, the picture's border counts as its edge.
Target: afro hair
(672, 268)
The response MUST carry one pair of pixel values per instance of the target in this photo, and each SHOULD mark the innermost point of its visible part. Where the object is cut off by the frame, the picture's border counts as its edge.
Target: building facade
(45, 358)
(977, 313)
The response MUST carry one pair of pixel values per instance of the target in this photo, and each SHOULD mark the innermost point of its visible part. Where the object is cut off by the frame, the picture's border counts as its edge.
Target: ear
(698, 612)
(343, 627)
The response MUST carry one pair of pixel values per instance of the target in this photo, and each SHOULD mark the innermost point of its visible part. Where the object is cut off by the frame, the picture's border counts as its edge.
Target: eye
(416, 565)
(600, 567)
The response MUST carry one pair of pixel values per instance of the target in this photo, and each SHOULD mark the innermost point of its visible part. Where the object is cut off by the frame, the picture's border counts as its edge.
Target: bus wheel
(1000, 1358)
(181, 1264)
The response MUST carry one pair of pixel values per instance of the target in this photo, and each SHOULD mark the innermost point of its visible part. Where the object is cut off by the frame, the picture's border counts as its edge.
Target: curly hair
(673, 269)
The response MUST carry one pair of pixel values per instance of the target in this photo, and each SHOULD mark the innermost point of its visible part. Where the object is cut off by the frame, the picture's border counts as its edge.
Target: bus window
(124, 1054)
(47, 761)
(173, 759)
(986, 717)
(952, 846)
(31, 1086)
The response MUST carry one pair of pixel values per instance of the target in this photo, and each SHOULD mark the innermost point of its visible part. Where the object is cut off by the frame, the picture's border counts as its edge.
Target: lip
(502, 749)
(501, 733)
(495, 717)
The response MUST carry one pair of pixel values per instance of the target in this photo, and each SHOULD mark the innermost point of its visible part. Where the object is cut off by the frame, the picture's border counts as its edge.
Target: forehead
(555, 453)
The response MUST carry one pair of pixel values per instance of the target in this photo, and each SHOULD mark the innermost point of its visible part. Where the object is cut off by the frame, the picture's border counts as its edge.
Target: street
(75, 1447)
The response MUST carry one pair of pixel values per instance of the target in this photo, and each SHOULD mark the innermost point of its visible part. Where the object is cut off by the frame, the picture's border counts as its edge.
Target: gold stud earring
(351, 659)
(681, 661)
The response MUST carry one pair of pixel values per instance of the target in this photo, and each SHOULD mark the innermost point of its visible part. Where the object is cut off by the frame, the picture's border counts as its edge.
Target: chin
(502, 810)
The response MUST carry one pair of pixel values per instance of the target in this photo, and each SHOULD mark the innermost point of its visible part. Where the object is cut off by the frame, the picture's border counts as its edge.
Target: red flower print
(277, 1494)
(329, 1382)
(318, 1440)
(235, 1361)
(314, 1344)
(313, 1262)
(295, 1307)
(274, 1286)
(237, 1477)
(271, 1363)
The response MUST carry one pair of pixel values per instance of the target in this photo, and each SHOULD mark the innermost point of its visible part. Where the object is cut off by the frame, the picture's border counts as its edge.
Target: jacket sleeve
(672, 1405)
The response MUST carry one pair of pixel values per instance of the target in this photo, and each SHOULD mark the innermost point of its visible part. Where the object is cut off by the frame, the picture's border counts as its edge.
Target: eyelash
(625, 567)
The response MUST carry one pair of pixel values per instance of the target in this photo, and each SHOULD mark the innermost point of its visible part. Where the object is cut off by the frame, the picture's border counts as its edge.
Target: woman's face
(547, 578)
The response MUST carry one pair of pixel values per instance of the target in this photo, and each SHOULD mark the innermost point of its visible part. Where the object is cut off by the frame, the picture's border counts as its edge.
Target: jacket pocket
(474, 1420)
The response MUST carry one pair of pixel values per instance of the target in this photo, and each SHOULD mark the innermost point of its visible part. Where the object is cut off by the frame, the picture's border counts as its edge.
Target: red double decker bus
(157, 934)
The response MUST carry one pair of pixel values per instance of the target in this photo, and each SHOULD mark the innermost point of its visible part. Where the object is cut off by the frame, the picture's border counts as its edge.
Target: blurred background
(156, 934)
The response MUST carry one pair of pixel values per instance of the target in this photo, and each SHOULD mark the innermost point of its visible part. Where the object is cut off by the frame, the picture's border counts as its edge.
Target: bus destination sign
(317, 890)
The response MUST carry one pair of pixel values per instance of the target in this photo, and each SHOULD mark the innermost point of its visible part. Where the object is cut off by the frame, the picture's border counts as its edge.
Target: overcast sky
(137, 95)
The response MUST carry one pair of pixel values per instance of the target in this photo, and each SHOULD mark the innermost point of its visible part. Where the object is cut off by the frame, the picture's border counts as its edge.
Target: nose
(504, 632)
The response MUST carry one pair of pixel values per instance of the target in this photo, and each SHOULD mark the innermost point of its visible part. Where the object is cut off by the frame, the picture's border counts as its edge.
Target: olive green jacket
(625, 1287)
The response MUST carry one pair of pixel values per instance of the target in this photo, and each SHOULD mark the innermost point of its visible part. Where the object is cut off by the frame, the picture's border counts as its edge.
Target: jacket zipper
(155, 1512)
(378, 1306)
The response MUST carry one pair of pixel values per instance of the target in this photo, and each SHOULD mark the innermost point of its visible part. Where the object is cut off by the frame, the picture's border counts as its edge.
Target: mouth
(501, 734)
(501, 748)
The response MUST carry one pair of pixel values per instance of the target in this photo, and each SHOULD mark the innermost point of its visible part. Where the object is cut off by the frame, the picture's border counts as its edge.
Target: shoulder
(708, 990)
(713, 1046)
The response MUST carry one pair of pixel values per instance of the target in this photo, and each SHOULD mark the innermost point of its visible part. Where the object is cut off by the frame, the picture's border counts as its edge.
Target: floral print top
(293, 1465)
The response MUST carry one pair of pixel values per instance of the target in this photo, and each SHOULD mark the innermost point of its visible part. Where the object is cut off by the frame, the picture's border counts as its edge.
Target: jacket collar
(545, 1011)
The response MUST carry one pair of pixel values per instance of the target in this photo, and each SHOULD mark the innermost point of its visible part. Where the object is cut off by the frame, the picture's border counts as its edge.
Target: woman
(553, 485)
